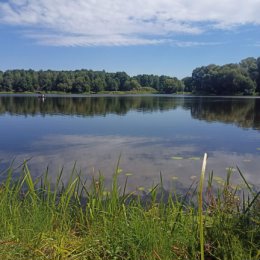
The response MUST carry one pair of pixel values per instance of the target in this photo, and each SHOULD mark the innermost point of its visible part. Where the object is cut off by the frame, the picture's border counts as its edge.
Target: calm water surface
(153, 134)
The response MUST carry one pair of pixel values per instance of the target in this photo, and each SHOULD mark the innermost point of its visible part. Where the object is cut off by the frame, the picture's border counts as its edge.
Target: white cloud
(93, 40)
(194, 43)
(119, 22)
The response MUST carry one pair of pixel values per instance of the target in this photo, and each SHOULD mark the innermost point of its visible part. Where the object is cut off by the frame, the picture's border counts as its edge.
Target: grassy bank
(76, 221)
(130, 92)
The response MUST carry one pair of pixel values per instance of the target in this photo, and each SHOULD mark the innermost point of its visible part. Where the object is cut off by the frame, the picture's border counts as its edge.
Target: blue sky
(170, 37)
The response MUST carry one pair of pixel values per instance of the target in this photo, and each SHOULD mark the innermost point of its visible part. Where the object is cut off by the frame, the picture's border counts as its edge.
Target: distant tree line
(230, 79)
(84, 81)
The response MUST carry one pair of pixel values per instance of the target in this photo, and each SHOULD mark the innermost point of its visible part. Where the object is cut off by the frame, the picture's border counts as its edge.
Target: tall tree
(258, 78)
(63, 82)
(188, 84)
(122, 78)
(1, 80)
(98, 85)
(249, 65)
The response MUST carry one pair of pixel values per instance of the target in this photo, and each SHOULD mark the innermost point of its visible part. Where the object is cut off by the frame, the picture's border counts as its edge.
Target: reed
(201, 228)
(89, 221)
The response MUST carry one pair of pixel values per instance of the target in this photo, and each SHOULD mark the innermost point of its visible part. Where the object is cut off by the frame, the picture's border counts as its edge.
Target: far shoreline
(120, 94)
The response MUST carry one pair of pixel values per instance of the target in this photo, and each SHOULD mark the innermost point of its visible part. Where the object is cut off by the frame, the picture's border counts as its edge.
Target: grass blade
(201, 228)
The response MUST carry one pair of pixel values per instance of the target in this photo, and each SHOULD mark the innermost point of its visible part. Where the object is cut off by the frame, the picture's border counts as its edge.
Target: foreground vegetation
(76, 221)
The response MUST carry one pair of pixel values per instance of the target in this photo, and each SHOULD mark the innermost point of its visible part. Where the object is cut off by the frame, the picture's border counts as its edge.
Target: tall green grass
(200, 209)
(80, 221)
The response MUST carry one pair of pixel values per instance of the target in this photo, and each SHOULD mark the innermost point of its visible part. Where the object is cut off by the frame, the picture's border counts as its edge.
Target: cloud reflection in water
(144, 157)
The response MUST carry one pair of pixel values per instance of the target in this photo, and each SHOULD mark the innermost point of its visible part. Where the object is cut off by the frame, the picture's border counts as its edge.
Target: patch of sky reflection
(148, 142)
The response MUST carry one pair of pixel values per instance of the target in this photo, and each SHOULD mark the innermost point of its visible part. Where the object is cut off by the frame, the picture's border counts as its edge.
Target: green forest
(84, 81)
(230, 79)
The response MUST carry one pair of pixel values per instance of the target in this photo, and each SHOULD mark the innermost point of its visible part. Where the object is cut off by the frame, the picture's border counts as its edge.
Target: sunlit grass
(177, 158)
(39, 220)
(200, 207)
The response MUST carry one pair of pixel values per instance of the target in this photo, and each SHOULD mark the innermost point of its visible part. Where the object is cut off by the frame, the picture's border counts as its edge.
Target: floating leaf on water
(194, 158)
(177, 158)
(128, 174)
(258, 148)
(119, 170)
(174, 178)
(141, 188)
(219, 180)
(230, 169)
(193, 177)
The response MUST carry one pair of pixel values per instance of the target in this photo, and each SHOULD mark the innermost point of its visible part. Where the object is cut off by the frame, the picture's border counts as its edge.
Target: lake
(153, 134)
